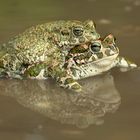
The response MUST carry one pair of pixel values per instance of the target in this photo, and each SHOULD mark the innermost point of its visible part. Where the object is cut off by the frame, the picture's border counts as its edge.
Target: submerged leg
(125, 64)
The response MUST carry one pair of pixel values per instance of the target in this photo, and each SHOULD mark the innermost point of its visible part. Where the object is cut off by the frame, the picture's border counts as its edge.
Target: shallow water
(109, 107)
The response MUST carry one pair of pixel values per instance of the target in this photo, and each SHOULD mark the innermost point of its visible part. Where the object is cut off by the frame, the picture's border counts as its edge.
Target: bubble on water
(104, 21)
(137, 3)
(40, 127)
(128, 8)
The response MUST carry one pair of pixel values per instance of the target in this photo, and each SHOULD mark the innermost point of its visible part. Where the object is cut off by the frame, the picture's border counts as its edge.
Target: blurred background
(119, 17)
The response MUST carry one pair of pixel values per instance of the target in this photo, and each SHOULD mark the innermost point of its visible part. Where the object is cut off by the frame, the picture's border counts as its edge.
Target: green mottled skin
(64, 50)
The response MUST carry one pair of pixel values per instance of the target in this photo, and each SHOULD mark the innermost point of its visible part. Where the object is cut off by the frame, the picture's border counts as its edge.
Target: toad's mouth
(105, 61)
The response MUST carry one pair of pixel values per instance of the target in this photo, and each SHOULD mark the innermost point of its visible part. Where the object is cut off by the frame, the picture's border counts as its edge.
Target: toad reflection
(81, 109)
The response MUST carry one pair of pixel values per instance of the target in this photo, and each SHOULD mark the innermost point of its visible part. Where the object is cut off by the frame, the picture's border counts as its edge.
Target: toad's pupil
(95, 47)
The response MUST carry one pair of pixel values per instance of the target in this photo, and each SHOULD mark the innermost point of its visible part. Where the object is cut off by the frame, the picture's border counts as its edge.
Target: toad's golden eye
(95, 47)
(78, 31)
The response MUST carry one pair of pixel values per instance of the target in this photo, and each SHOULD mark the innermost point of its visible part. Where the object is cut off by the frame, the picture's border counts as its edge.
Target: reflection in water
(81, 109)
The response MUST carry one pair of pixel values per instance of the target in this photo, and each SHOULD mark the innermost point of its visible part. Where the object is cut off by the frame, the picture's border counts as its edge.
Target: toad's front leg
(43, 70)
(64, 79)
(124, 64)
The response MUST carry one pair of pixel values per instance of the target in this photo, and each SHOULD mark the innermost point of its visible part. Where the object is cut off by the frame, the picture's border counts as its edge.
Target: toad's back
(45, 42)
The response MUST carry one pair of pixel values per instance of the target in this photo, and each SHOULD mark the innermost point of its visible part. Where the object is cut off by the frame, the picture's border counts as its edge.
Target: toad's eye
(78, 31)
(95, 47)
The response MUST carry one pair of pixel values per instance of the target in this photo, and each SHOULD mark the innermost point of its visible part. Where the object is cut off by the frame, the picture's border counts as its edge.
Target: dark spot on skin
(68, 81)
(99, 55)
(63, 74)
(80, 57)
(93, 58)
(89, 54)
(107, 52)
(68, 56)
(82, 63)
(1, 64)
(78, 49)
(60, 82)
(81, 39)
(65, 32)
(25, 65)
(55, 29)
(65, 65)
(76, 58)
(73, 40)
(50, 37)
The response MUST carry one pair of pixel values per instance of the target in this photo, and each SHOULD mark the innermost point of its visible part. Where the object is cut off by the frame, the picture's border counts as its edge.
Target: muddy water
(108, 109)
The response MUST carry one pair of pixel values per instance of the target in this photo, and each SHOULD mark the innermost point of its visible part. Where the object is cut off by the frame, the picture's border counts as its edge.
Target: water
(109, 107)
